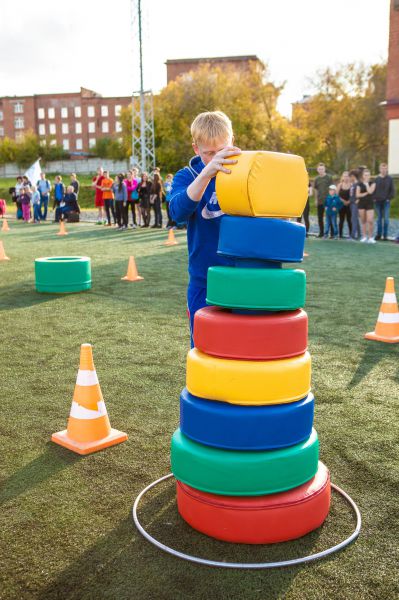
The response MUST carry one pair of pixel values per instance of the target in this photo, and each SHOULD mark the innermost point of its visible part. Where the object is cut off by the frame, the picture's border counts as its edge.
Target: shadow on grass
(53, 460)
(23, 295)
(373, 353)
(125, 565)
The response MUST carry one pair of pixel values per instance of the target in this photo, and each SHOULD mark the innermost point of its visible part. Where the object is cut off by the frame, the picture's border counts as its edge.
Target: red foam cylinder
(250, 337)
(258, 520)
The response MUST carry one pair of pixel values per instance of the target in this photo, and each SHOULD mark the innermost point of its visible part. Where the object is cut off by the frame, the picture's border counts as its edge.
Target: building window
(104, 127)
(79, 144)
(65, 144)
(92, 127)
(65, 128)
(53, 142)
(18, 107)
(51, 113)
(118, 126)
(42, 129)
(91, 111)
(78, 127)
(117, 110)
(104, 111)
(92, 142)
(78, 112)
(53, 129)
(19, 136)
(40, 113)
(64, 112)
(1, 131)
(1, 115)
(19, 123)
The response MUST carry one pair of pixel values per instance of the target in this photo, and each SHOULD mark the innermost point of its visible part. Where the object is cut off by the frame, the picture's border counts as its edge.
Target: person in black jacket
(67, 205)
(383, 194)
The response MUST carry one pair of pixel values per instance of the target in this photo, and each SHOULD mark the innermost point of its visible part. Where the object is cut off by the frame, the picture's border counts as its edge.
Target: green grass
(66, 526)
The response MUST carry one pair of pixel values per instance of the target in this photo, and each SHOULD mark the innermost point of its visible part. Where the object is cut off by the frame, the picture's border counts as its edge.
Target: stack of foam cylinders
(246, 456)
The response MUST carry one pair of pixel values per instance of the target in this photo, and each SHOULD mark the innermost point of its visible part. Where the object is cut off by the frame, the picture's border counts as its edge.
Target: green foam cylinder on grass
(256, 289)
(237, 473)
(62, 274)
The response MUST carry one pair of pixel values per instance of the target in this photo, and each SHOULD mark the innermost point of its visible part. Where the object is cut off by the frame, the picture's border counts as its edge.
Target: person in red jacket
(98, 198)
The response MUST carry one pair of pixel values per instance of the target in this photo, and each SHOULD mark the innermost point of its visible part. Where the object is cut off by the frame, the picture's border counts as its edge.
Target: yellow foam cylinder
(264, 184)
(247, 381)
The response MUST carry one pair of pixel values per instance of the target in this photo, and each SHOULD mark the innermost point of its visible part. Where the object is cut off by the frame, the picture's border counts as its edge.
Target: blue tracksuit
(203, 224)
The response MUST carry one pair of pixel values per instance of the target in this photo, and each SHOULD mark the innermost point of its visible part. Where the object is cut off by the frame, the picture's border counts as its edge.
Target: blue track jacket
(203, 222)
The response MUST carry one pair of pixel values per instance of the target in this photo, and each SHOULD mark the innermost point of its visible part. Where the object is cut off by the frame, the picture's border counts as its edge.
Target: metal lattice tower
(143, 136)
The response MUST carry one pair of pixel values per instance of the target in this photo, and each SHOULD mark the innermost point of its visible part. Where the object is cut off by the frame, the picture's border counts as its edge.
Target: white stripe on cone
(389, 298)
(80, 412)
(86, 378)
(388, 317)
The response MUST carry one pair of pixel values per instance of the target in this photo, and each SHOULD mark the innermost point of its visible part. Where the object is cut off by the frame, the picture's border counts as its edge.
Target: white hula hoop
(232, 565)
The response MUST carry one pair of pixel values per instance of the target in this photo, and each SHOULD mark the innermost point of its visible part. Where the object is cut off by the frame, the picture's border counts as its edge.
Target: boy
(332, 203)
(193, 199)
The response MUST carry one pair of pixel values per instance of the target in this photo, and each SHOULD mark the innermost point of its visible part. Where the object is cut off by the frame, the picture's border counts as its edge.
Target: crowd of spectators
(354, 200)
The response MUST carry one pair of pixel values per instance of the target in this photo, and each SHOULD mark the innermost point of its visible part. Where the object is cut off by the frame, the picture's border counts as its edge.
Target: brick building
(74, 121)
(177, 67)
(392, 98)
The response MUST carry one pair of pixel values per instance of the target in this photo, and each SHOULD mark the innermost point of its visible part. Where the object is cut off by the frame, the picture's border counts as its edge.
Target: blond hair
(209, 126)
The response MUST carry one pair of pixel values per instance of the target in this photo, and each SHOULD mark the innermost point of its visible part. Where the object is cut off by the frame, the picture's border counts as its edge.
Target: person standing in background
(36, 204)
(156, 200)
(383, 195)
(98, 198)
(168, 189)
(59, 192)
(25, 203)
(19, 186)
(364, 193)
(44, 189)
(108, 197)
(131, 187)
(343, 192)
(305, 214)
(120, 192)
(143, 190)
(320, 186)
(75, 184)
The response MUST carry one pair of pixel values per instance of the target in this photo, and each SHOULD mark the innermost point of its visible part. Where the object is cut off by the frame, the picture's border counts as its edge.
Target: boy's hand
(220, 159)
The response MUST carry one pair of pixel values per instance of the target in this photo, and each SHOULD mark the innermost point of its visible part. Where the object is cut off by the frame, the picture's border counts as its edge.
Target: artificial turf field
(66, 525)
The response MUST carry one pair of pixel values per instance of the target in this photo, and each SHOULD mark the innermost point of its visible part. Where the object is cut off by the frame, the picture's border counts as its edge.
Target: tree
(247, 97)
(343, 124)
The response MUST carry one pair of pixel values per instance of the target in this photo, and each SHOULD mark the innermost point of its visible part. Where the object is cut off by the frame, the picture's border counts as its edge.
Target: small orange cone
(5, 226)
(62, 230)
(132, 274)
(88, 429)
(171, 241)
(2, 252)
(387, 328)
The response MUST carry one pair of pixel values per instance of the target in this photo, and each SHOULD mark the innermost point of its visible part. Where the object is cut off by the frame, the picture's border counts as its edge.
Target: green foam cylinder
(62, 274)
(256, 289)
(249, 473)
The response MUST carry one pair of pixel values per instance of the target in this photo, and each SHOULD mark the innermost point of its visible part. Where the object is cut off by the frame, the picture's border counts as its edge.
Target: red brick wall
(175, 69)
(393, 64)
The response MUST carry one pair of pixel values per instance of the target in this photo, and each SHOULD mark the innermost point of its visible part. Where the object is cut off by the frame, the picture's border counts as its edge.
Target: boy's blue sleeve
(181, 207)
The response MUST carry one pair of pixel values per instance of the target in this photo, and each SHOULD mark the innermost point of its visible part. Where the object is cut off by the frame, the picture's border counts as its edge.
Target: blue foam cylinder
(261, 239)
(236, 427)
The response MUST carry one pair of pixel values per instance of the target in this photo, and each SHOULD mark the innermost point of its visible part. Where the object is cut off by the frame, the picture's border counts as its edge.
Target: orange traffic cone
(88, 429)
(5, 226)
(305, 254)
(387, 328)
(132, 274)
(62, 230)
(171, 241)
(2, 252)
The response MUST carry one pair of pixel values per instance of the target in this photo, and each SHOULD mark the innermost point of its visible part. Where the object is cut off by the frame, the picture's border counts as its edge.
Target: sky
(49, 46)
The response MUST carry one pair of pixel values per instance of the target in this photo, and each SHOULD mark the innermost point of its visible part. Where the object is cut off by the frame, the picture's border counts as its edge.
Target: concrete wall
(65, 167)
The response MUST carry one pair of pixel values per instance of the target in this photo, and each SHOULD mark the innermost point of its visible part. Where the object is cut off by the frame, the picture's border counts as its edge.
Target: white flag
(33, 173)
